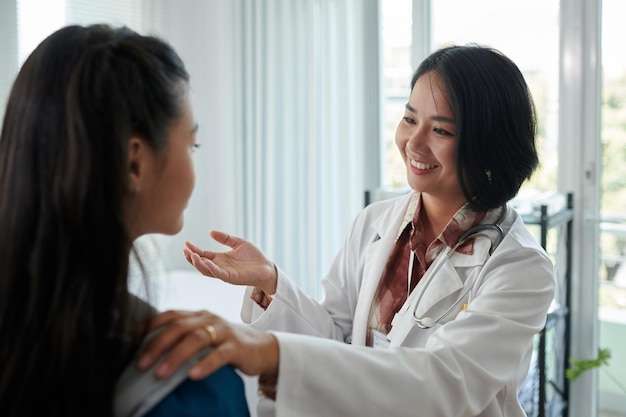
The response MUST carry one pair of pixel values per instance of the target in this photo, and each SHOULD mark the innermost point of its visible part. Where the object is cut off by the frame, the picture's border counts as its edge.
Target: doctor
(431, 306)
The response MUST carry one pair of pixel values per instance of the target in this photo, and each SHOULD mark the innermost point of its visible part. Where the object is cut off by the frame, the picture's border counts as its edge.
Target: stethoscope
(473, 233)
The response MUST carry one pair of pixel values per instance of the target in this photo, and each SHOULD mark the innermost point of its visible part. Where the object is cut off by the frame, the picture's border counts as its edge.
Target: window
(397, 39)
(612, 219)
(612, 270)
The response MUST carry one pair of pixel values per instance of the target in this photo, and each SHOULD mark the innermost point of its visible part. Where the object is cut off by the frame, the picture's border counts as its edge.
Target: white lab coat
(470, 364)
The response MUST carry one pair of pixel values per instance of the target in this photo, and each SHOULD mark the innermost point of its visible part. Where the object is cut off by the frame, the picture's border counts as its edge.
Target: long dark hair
(65, 244)
(495, 121)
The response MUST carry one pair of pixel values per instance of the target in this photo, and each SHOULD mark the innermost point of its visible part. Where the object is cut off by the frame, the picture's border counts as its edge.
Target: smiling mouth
(420, 165)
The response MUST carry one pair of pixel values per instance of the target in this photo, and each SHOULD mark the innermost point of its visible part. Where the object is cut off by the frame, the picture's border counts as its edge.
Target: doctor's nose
(416, 138)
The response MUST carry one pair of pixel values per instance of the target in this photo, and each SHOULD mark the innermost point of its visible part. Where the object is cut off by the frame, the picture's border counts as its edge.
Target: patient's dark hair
(495, 121)
(65, 244)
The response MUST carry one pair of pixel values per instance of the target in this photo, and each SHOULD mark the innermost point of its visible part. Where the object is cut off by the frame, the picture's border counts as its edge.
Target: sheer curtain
(8, 50)
(310, 126)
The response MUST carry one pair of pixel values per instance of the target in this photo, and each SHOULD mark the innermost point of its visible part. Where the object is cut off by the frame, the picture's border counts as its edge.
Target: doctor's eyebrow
(194, 129)
(437, 118)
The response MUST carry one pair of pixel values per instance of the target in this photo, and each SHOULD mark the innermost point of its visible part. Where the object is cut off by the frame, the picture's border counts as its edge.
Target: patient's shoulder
(139, 392)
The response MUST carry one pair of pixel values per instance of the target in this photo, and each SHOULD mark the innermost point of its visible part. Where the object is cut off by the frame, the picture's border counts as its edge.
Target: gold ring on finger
(212, 333)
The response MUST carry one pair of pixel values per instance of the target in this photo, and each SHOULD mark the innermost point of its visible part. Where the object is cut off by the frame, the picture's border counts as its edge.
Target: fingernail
(144, 361)
(195, 372)
(163, 370)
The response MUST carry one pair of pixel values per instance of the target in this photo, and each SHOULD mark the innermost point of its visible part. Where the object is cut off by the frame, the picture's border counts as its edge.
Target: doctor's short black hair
(495, 121)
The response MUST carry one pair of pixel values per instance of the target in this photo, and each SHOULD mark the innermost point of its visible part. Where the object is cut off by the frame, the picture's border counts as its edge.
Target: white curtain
(310, 126)
(8, 50)
(114, 12)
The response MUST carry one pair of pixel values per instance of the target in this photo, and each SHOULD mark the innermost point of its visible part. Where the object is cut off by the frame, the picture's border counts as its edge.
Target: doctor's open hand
(185, 333)
(244, 264)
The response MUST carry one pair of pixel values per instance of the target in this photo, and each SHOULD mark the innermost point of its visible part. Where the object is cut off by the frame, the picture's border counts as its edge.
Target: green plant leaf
(581, 365)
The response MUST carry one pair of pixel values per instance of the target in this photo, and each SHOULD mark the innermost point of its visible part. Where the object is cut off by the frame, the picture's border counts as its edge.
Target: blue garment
(221, 394)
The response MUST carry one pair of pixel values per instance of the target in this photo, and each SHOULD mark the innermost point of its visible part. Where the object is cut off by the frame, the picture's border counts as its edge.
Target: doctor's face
(426, 138)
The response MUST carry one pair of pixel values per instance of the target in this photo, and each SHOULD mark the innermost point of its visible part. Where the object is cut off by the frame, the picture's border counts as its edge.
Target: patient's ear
(138, 155)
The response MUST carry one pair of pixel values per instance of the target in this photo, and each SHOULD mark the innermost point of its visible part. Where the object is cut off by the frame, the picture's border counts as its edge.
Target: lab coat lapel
(448, 279)
(385, 229)
(444, 282)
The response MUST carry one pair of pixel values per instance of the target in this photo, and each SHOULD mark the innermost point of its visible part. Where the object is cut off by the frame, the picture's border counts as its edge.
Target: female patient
(95, 151)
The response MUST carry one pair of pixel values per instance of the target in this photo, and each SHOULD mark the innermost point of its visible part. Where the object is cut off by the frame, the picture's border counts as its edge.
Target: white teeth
(420, 165)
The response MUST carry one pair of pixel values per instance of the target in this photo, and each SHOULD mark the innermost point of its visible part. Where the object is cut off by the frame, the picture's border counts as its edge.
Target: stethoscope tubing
(473, 233)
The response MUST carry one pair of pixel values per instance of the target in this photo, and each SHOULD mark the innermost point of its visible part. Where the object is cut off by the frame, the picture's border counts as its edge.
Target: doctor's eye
(442, 132)
(195, 147)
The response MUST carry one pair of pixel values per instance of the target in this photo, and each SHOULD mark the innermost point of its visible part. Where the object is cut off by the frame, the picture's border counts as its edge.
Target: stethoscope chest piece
(424, 322)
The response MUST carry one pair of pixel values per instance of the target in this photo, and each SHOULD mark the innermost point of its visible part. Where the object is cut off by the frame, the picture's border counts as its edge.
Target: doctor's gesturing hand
(245, 264)
(434, 300)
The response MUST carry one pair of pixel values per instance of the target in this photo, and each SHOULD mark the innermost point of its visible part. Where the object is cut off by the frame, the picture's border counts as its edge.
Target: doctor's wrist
(266, 278)
(262, 293)
(272, 283)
